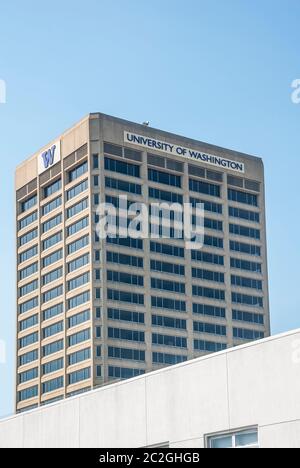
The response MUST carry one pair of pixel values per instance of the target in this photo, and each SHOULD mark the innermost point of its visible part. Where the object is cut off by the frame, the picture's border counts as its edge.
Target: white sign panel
(49, 157)
(169, 148)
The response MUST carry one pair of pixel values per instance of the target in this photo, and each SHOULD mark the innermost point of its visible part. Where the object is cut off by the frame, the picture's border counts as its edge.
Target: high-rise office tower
(92, 311)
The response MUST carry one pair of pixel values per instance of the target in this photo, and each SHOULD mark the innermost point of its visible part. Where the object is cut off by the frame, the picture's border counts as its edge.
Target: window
(79, 337)
(28, 357)
(122, 373)
(95, 161)
(209, 328)
(26, 272)
(217, 294)
(53, 385)
(78, 208)
(79, 376)
(126, 335)
(168, 322)
(209, 223)
(51, 241)
(248, 249)
(53, 188)
(28, 254)
(244, 231)
(29, 203)
(78, 245)
(167, 359)
(164, 285)
(30, 236)
(168, 304)
(28, 340)
(53, 348)
(204, 257)
(208, 275)
(28, 393)
(116, 202)
(79, 318)
(166, 249)
(244, 214)
(77, 190)
(52, 276)
(29, 323)
(170, 268)
(78, 172)
(249, 317)
(29, 305)
(209, 346)
(80, 356)
(28, 375)
(242, 197)
(53, 205)
(79, 281)
(52, 223)
(28, 288)
(246, 282)
(126, 242)
(208, 206)
(53, 294)
(53, 330)
(245, 334)
(53, 366)
(126, 354)
(246, 265)
(210, 311)
(252, 301)
(123, 186)
(79, 300)
(163, 195)
(124, 296)
(205, 188)
(126, 278)
(53, 258)
(76, 227)
(167, 340)
(121, 167)
(239, 440)
(164, 178)
(122, 259)
(126, 316)
(78, 263)
(28, 220)
(53, 311)
(211, 241)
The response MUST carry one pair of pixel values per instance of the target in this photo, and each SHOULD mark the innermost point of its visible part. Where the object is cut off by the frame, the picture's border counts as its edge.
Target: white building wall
(254, 385)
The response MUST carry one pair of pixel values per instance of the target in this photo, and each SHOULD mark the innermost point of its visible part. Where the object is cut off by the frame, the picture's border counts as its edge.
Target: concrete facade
(253, 386)
(59, 351)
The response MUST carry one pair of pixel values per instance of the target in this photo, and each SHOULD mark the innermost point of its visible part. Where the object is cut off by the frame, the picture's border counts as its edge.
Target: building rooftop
(255, 385)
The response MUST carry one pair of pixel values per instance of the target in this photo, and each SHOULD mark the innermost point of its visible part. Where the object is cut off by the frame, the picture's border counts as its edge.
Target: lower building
(242, 397)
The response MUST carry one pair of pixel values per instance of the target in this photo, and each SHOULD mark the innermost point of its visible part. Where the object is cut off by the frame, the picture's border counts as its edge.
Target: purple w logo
(48, 157)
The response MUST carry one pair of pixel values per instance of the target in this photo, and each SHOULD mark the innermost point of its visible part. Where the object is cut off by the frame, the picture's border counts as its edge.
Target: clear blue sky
(219, 71)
